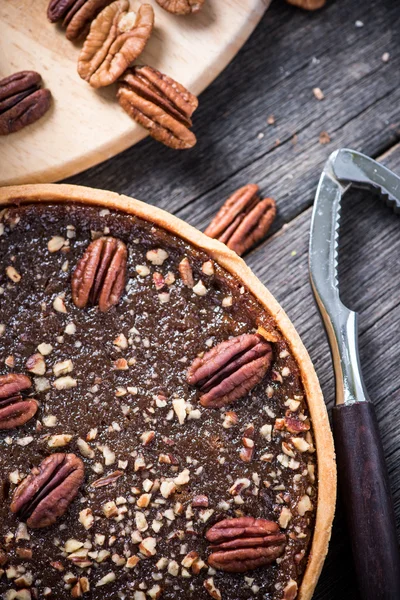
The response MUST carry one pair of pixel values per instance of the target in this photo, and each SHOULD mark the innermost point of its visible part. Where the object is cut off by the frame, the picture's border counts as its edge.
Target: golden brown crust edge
(235, 265)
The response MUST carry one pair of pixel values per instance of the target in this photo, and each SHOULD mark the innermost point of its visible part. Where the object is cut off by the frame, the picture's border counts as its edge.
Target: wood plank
(369, 275)
(290, 53)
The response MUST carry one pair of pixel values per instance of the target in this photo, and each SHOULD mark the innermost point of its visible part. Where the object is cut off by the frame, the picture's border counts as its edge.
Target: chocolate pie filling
(162, 465)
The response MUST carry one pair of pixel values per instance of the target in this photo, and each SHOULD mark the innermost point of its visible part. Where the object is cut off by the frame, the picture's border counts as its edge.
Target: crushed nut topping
(156, 461)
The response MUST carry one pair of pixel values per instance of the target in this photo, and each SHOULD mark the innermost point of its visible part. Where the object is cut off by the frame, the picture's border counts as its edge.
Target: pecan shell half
(76, 14)
(244, 543)
(181, 7)
(243, 220)
(100, 275)
(14, 410)
(46, 493)
(116, 38)
(22, 102)
(160, 104)
(231, 369)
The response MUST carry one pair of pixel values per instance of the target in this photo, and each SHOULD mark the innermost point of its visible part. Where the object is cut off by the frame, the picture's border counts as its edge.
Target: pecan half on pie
(162, 431)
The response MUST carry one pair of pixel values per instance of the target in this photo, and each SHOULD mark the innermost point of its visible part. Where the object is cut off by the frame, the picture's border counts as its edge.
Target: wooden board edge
(114, 147)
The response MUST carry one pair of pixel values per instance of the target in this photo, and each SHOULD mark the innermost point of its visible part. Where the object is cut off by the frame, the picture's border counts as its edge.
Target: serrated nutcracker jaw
(343, 169)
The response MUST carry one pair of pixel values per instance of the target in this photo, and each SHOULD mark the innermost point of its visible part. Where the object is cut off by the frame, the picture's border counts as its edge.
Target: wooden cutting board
(86, 126)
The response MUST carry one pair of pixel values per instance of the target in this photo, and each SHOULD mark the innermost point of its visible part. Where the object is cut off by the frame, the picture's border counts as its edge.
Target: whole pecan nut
(14, 410)
(242, 544)
(99, 277)
(308, 4)
(46, 493)
(181, 7)
(57, 9)
(116, 38)
(160, 104)
(22, 101)
(231, 369)
(76, 14)
(243, 220)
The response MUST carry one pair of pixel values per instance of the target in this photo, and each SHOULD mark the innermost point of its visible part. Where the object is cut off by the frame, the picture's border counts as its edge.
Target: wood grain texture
(290, 53)
(86, 126)
(367, 500)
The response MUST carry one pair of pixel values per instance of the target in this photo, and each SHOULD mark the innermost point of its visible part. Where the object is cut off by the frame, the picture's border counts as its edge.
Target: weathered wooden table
(340, 49)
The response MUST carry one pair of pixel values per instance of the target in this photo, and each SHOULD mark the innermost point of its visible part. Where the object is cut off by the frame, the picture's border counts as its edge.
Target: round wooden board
(86, 126)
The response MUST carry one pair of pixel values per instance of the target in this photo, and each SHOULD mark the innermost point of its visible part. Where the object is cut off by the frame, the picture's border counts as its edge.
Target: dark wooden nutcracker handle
(368, 504)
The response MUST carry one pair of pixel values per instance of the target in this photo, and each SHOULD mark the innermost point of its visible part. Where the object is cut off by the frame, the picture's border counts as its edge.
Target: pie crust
(27, 194)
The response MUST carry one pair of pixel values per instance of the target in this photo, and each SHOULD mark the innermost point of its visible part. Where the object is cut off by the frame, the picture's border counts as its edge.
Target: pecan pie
(162, 430)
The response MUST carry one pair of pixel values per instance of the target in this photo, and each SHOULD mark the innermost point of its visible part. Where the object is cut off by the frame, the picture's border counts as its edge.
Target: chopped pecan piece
(116, 38)
(242, 544)
(246, 454)
(211, 589)
(22, 101)
(14, 410)
(200, 501)
(181, 7)
(46, 493)
(76, 14)
(24, 553)
(160, 104)
(243, 220)
(290, 590)
(295, 425)
(231, 369)
(186, 273)
(99, 277)
(107, 480)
